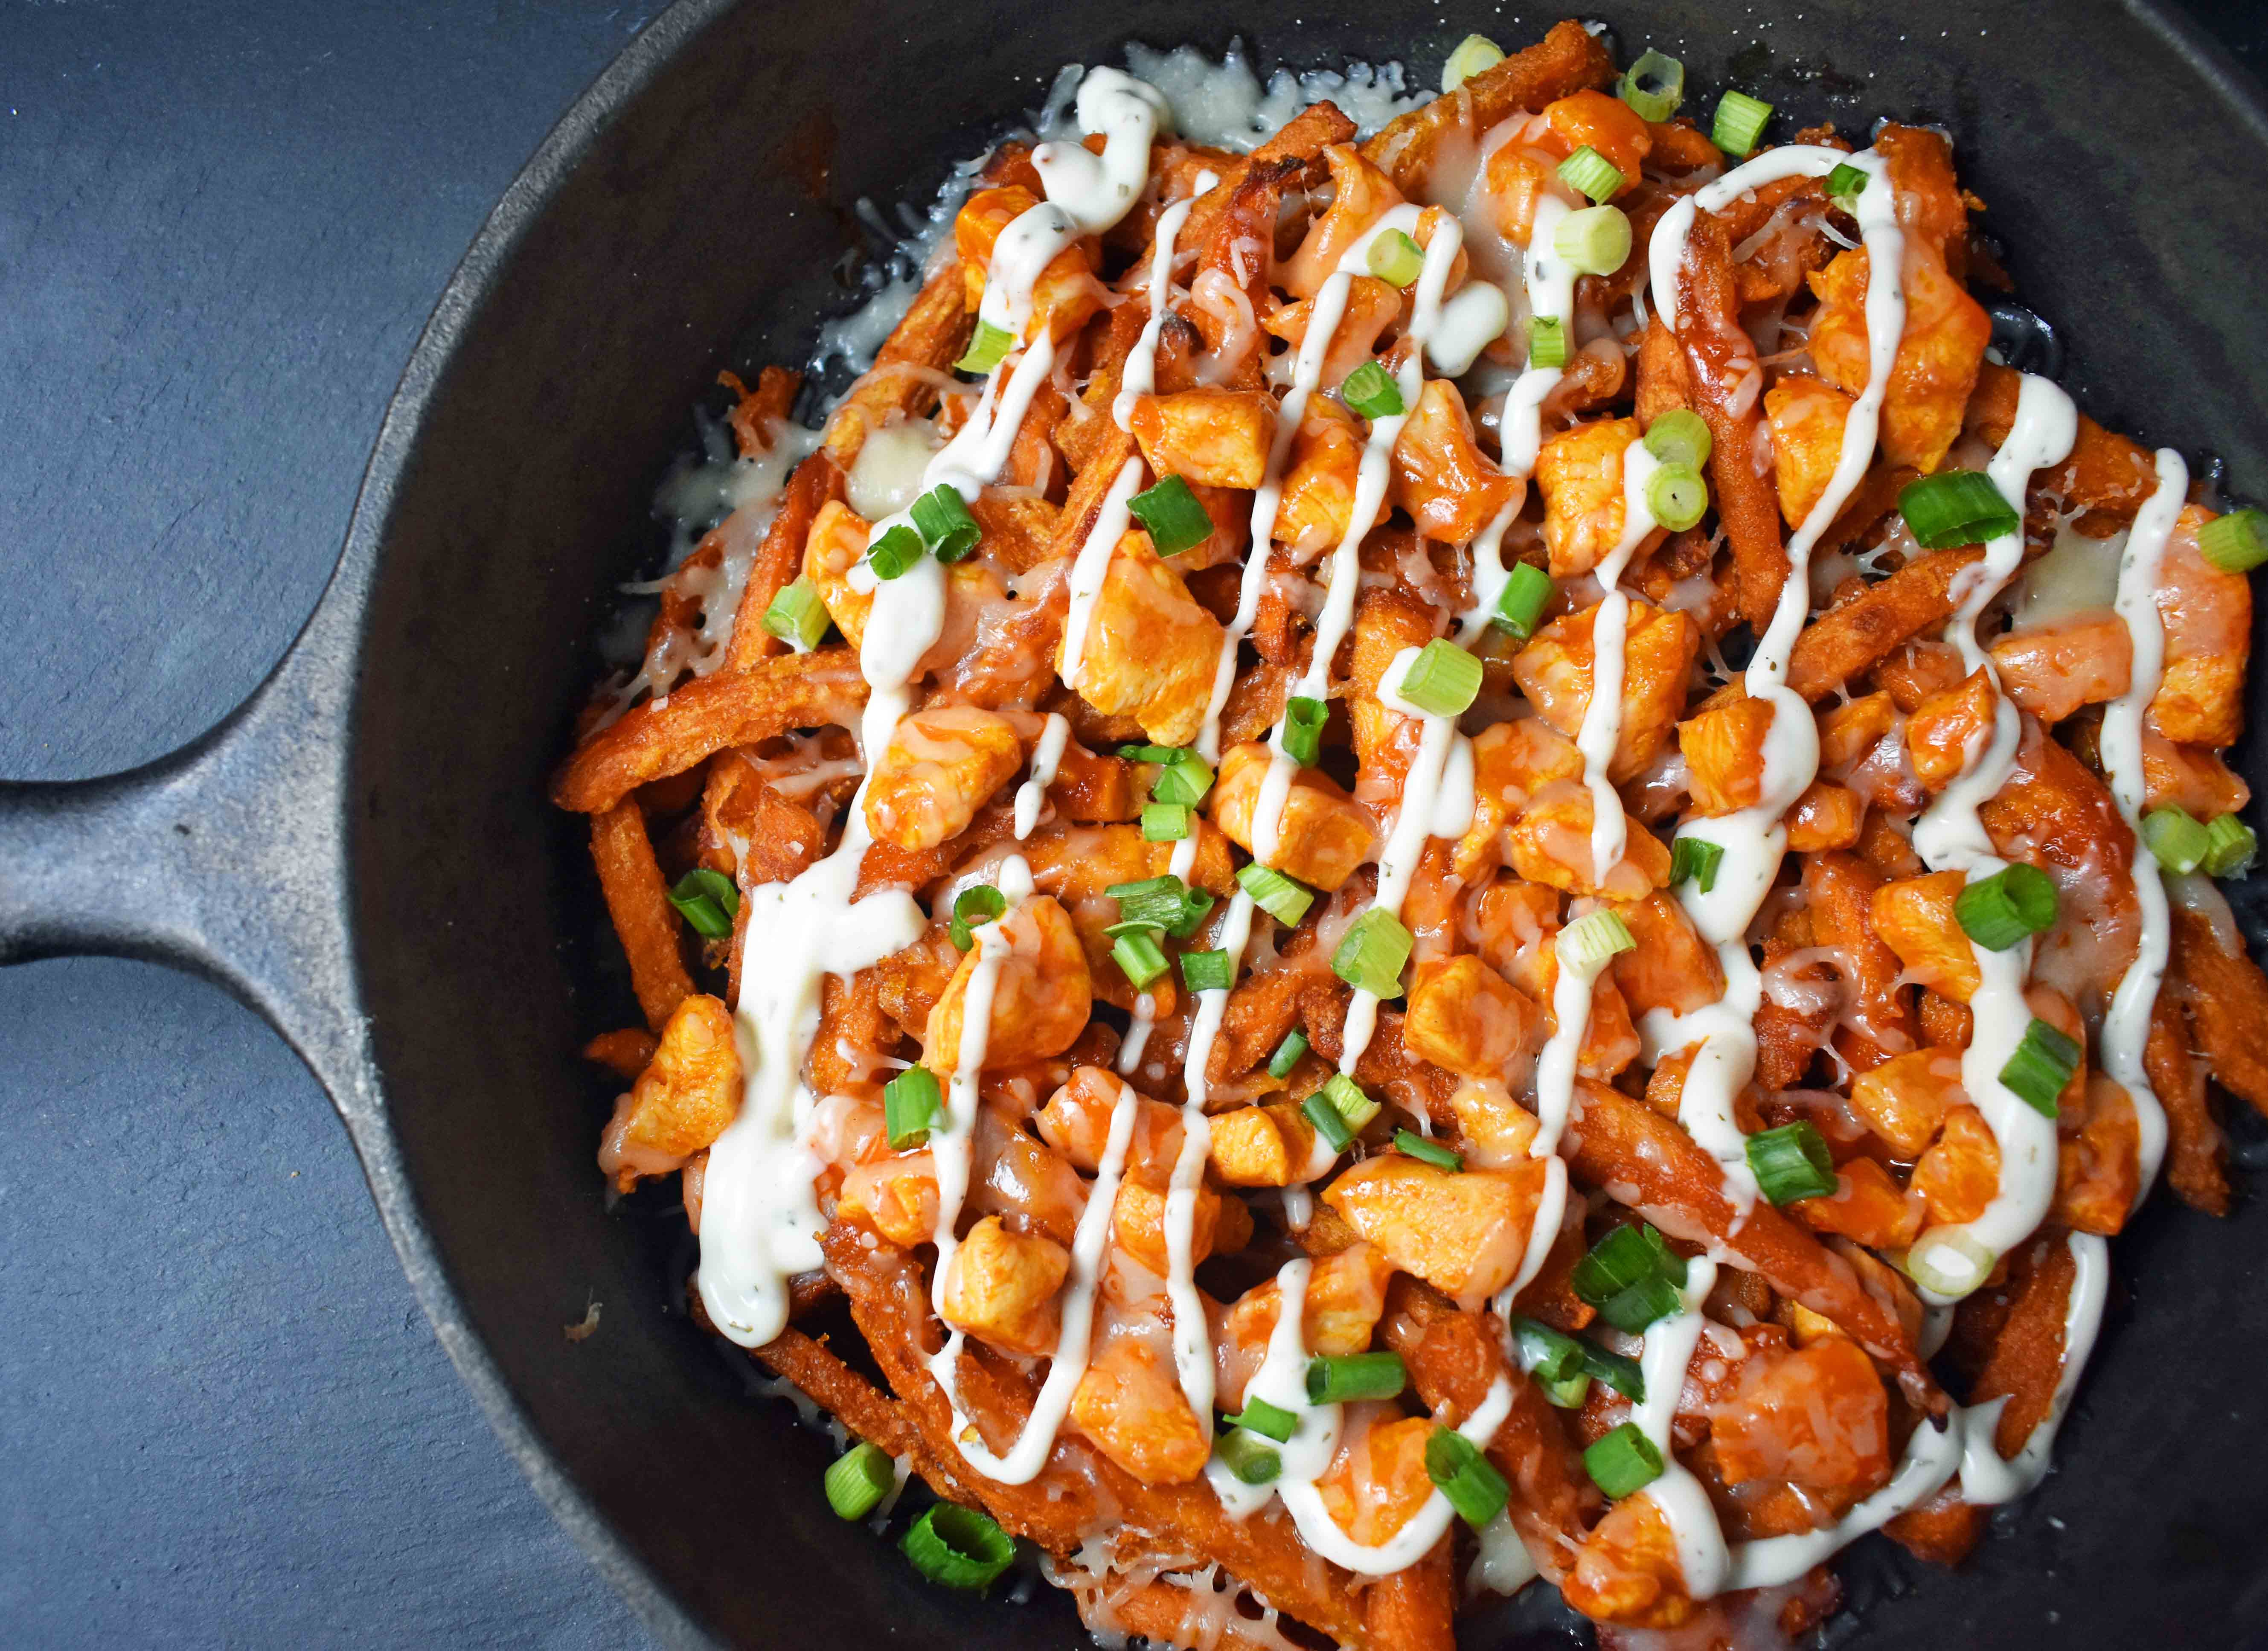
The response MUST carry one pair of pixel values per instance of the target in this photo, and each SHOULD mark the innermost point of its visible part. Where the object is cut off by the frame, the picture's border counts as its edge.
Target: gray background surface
(223, 1419)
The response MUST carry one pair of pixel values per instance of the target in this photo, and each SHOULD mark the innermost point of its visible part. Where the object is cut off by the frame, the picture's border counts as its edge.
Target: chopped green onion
(2177, 837)
(1161, 903)
(1948, 1263)
(1680, 436)
(1372, 953)
(797, 616)
(1303, 729)
(1566, 1393)
(1175, 520)
(859, 1479)
(2232, 845)
(2236, 542)
(1248, 1457)
(706, 900)
(1790, 1162)
(1318, 1110)
(1696, 859)
(1677, 497)
(958, 1546)
(1474, 54)
(1465, 1476)
(988, 350)
(1164, 822)
(1152, 752)
(1596, 240)
(1999, 910)
(1654, 85)
(1186, 779)
(1140, 957)
(2035, 1074)
(1625, 1256)
(1287, 1054)
(1740, 121)
(1337, 1379)
(1622, 1461)
(1593, 938)
(1271, 1422)
(1845, 184)
(911, 1105)
(1554, 1361)
(1396, 259)
(947, 528)
(1648, 1302)
(1278, 896)
(1412, 1144)
(1626, 1376)
(1208, 971)
(1588, 173)
(894, 553)
(1349, 1100)
(1956, 507)
(972, 910)
(1195, 903)
(1547, 342)
(1443, 679)
(1521, 603)
(1371, 391)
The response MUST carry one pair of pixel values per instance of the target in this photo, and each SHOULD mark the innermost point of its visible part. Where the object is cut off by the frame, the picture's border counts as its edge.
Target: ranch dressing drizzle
(2126, 1025)
(1139, 376)
(1047, 756)
(1668, 1351)
(1985, 1479)
(1602, 717)
(1951, 837)
(1092, 566)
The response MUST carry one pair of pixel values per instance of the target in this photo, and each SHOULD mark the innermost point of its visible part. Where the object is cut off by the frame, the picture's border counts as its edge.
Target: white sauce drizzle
(1139, 376)
(1668, 1348)
(1047, 756)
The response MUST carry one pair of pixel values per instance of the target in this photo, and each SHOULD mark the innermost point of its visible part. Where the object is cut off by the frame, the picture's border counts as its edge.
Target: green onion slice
(1152, 752)
(1696, 859)
(1593, 938)
(1680, 436)
(1626, 1376)
(706, 900)
(1740, 121)
(1303, 729)
(1208, 971)
(1318, 1110)
(958, 1546)
(1465, 1476)
(988, 350)
(1287, 1054)
(1474, 54)
(1347, 1098)
(1371, 391)
(1545, 1352)
(1627, 1255)
(1845, 184)
(911, 1105)
(973, 909)
(1250, 1458)
(1948, 1263)
(1372, 953)
(1791, 1162)
(1623, 1460)
(1595, 240)
(1339, 1378)
(1647, 1302)
(1547, 342)
(1412, 1144)
(1396, 258)
(797, 616)
(1677, 497)
(1140, 957)
(2042, 1065)
(1161, 903)
(2012, 904)
(1173, 516)
(1654, 85)
(1956, 507)
(1522, 602)
(947, 528)
(1164, 822)
(859, 1479)
(2230, 846)
(1443, 679)
(1588, 173)
(1185, 780)
(894, 553)
(1279, 896)
(1271, 1421)
(2177, 837)
(2236, 542)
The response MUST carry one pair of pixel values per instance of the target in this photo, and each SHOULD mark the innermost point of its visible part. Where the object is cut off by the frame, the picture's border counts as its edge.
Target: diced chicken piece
(1151, 650)
(1129, 1405)
(1605, 123)
(895, 1196)
(1346, 1297)
(1961, 1173)
(1378, 1481)
(1580, 472)
(1448, 487)
(1947, 726)
(1217, 1223)
(1464, 1232)
(1806, 437)
(2207, 616)
(1465, 1017)
(1817, 1418)
(1319, 482)
(1269, 1146)
(1905, 1099)
(2189, 776)
(1849, 731)
(1724, 750)
(1496, 1129)
(1550, 844)
(1866, 1205)
(942, 765)
(1077, 1120)
(1672, 966)
(2099, 1169)
(1555, 671)
(687, 1096)
(1628, 1572)
(2052, 670)
(1914, 918)
(1939, 353)
(1041, 994)
(1064, 296)
(833, 547)
(1826, 817)
(1001, 1287)
(1219, 437)
(1517, 177)
(1360, 195)
(1511, 761)
(1325, 833)
(1611, 1041)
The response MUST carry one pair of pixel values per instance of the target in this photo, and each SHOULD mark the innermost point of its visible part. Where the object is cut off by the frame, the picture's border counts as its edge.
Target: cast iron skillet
(363, 852)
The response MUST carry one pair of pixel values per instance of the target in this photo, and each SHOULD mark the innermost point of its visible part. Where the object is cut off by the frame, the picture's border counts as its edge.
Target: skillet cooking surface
(688, 217)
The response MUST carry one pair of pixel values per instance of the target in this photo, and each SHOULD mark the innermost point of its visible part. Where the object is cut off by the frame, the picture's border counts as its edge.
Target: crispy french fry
(623, 1053)
(1852, 637)
(1564, 61)
(2195, 1146)
(1412, 1609)
(2105, 472)
(928, 341)
(815, 481)
(638, 901)
(2227, 1002)
(1720, 366)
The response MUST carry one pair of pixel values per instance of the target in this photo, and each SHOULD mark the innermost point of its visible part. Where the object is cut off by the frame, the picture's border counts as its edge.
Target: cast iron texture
(353, 854)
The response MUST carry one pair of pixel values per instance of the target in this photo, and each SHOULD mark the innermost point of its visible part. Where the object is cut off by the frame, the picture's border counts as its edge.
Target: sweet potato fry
(2227, 1003)
(2196, 1149)
(1849, 639)
(1410, 1611)
(1721, 373)
(815, 481)
(638, 901)
(928, 341)
(1564, 61)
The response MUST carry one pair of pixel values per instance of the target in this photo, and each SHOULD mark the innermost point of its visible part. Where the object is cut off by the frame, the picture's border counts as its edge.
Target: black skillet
(358, 851)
